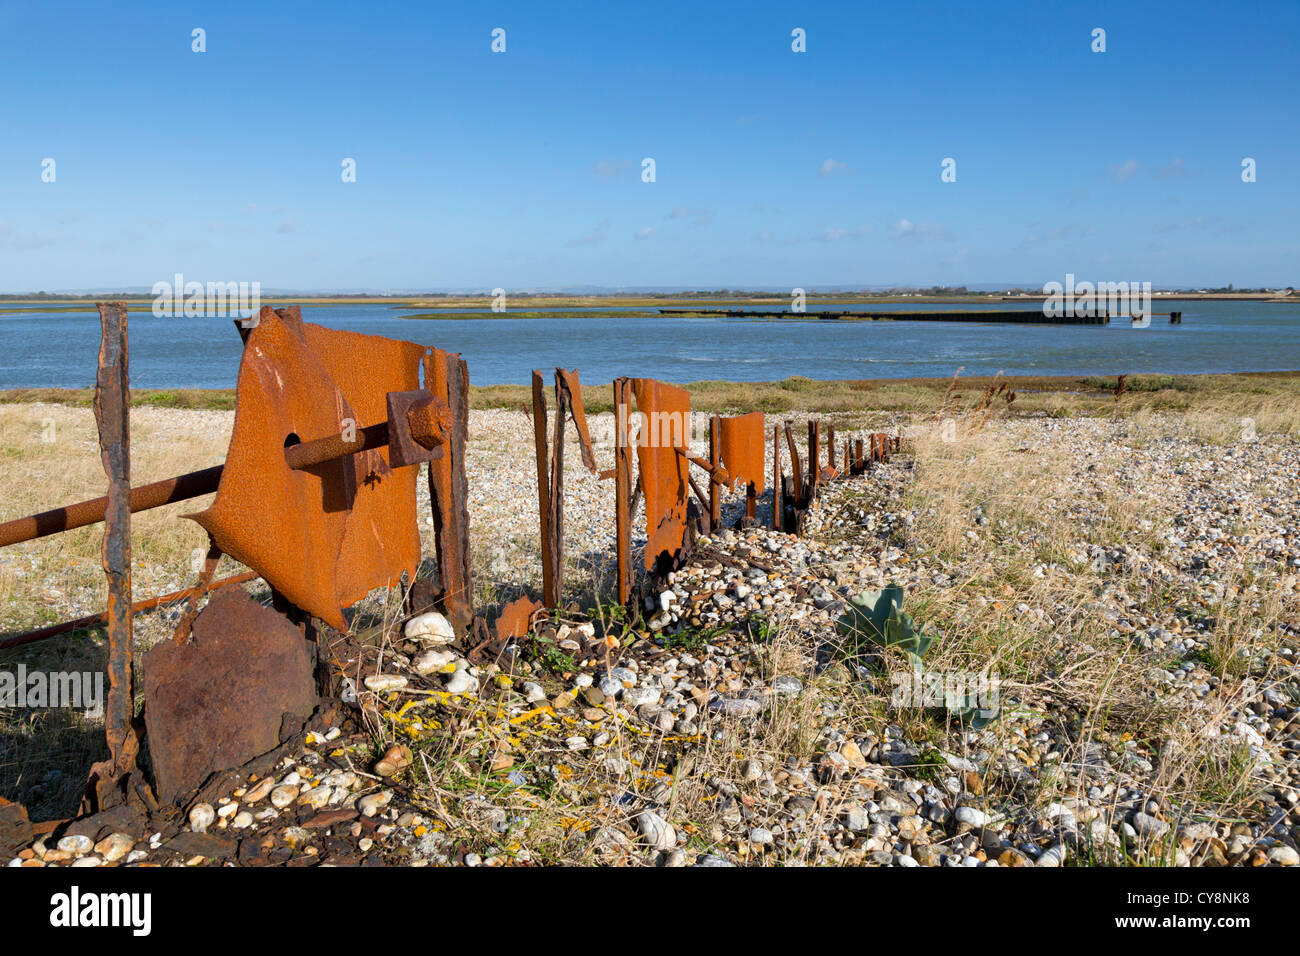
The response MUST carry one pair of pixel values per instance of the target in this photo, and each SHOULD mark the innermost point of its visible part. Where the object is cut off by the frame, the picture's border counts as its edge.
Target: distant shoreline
(526, 306)
(1079, 392)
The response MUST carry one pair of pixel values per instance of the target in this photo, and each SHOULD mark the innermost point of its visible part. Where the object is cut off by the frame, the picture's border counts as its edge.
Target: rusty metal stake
(112, 416)
(543, 486)
(555, 520)
(777, 521)
(623, 489)
(446, 377)
(796, 469)
(715, 460)
(814, 458)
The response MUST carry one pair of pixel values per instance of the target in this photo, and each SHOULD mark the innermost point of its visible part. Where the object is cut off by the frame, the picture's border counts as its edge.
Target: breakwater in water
(1024, 316)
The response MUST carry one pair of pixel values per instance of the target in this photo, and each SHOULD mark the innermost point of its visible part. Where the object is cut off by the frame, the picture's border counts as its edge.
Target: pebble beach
(1129, 587)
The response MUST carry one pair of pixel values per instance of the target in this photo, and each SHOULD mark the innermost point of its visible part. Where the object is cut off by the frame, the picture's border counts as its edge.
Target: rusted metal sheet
(15, 829)
(516, 618)
(566, 384)
(112, 416)
(665, 432)
(307, 496)
(381, 536)
(285, 523)
(219, 700)
(742, 448)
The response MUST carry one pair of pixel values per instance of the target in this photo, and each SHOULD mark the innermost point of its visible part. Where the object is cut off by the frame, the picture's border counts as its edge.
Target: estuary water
(59, 349)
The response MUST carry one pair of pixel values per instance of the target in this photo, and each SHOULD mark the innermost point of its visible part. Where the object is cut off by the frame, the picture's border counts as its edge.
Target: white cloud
(698, 217)
(1125, 170)
(833, 234)
(904, 230)
(830, 167)
(646, 232)
(1173, 169)
(597, 235)
(611, 168)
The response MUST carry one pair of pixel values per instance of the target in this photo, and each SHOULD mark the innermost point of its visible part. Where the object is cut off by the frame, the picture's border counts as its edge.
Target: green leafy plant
(878, 618)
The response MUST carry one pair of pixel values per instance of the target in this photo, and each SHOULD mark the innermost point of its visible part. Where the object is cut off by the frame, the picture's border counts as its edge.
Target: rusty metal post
(830, 445)
(445, 375)
(715, 460)
(814, 457)
(113, 419)
(796, 469)
(555, 519)
(622, 489)
(859, 465)
(459, 599)
(776, 478)
(543, 485)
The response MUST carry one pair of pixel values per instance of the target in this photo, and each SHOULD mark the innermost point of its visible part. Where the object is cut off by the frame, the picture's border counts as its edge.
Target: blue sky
(773, 168)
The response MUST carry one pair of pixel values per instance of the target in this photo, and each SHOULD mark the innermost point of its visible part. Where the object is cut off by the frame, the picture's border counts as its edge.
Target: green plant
(878, 617)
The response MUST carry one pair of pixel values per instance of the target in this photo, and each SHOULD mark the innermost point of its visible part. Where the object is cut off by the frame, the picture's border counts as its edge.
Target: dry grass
(1041, 634)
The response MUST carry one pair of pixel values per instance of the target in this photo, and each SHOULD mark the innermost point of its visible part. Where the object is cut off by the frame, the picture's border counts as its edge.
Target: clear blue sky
(522, 169)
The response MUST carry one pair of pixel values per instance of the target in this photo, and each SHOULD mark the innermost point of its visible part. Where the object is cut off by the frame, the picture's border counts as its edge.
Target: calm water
(59, 349)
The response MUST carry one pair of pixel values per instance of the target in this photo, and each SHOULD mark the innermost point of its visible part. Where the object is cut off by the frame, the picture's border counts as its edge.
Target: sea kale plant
(877, 617)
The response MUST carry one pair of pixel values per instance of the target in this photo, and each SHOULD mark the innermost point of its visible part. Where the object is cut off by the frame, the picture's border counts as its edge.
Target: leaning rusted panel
(566, 382)
(666, 412)
(287, 524)
(382, 537)
(742, 448)
(112, 416)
